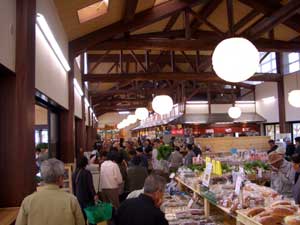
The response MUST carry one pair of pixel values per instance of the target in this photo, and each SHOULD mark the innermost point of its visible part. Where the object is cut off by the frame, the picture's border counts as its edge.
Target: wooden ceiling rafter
(270, 21)
(268, 7)
(181, 76)
(141, 20)
(191, 45)
(129, 12)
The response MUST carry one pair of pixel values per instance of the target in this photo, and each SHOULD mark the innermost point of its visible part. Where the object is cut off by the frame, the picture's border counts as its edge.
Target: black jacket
(140, 211)
(83, 187)
(290, 150)
(272, 149)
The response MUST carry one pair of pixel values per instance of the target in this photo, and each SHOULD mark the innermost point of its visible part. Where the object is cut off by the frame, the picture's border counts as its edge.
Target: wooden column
(17, 159)
(67, 122)
(280, 88)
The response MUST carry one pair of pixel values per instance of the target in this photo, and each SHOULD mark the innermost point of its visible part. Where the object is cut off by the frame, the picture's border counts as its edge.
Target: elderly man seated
(282, 176)
(50, 205)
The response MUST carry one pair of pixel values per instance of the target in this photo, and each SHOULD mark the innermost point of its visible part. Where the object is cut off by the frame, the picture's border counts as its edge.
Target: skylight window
(93, 11)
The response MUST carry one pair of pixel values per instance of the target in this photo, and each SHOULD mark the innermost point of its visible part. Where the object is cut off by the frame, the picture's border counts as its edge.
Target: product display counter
(225, 144)
(8, 215)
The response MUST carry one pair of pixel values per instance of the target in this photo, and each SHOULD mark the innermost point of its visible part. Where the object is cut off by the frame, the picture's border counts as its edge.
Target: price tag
(190, 204)
(238, 185)
(241, 170)
(206, 175)
(172, 175)
(259, 173)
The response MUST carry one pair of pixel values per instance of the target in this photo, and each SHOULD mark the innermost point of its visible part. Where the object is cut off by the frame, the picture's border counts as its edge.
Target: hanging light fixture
(294, 96)
(234, 112)
(162, 104)
(142, 113)
(235, 59)
(119, 126)
(132, 119)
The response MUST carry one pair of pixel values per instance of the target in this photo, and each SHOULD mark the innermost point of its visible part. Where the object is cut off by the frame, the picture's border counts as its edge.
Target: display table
(8, 215)
(207, 202)
(224, 144)
(242, 219)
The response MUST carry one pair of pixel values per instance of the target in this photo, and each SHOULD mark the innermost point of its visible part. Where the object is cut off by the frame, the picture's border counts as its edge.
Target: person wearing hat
(282, 176)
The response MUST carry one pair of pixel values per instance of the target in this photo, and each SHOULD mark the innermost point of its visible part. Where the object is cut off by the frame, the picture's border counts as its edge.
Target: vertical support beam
(147, 60)
(121, 61)
(67, 122)
(172, 61)
(20, 182)
(209, 99)
(230, 16)
(187, 24)
(197, 61)
(83, 130)
(280, 89)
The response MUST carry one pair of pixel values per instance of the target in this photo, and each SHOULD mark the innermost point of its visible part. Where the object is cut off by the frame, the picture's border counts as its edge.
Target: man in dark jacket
(273, 147)
(297, 139)
(144, 210)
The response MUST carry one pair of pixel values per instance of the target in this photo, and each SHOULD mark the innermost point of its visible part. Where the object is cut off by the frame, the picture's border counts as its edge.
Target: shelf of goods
(223, 145)
(255, 205)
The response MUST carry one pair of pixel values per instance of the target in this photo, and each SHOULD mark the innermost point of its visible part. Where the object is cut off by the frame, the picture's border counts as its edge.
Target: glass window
(37, 137)
(268, 65)
(44, 136)
(296, 130)
(270, 131)
(292, 57)
(293, 67)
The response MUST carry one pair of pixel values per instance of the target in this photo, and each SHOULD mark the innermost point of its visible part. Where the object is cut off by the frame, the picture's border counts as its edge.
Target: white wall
(268, 110)
(51, 78)
(292, 113)
(196, 109)
(77, 97)
(8, 33)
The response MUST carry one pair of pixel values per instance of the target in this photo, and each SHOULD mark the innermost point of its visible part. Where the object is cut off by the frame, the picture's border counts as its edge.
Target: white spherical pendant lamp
(132, 119)
(141, 113)
(162, 104)
(125, 122)
(294, 98)
(234, 112)
(119, 126)
(235, 59)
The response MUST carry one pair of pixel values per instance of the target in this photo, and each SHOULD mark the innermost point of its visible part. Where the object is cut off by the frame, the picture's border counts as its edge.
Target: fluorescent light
(86, 102)
(92, 111)
(43, 25)
(86, 84)
(123, 112)
(85, 63)
(269, 100)
(245, 102)
(197, 102)
(77, 87)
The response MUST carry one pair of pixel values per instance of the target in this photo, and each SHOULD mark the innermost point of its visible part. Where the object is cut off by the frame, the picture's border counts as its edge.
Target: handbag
(100, 212)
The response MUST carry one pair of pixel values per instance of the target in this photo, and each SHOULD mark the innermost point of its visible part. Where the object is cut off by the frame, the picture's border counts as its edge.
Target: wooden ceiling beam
(268, 7)
(189, 45)
(112, 58)
(130, 7)
(277, 17)
(205, 12)
(246, 19)
(200, 76)
(141, 20)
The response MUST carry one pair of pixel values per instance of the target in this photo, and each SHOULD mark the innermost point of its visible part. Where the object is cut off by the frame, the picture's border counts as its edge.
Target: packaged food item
(270, 220)
(281, 202)
(255, 211)
(292, 220)
(282, 211)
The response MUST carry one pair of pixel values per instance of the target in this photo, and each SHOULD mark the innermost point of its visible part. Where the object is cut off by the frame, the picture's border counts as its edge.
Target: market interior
(148, 112)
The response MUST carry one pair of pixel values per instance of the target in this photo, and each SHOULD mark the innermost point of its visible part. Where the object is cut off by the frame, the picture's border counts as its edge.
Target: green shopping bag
(100, 212)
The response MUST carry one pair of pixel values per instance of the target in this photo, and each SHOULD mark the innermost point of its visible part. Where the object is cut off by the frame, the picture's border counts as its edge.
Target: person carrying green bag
(83, 187)
(99, 212)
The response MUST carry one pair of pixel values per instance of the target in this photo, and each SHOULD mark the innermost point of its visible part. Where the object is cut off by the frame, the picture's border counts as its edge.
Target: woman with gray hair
(145, 210)
(50, 205)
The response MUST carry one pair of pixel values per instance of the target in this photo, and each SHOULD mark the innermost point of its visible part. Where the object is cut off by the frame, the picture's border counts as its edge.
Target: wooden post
(280, 89)
(17, 159)
(67, 122)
